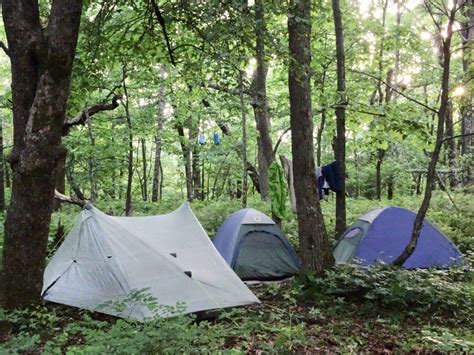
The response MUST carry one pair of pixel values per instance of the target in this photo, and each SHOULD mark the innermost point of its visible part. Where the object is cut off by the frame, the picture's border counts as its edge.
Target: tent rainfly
(382, 235)
(255, 247)
(105, 259)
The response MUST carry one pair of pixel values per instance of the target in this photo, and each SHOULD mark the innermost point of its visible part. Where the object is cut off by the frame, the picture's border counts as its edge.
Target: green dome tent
(255, 247)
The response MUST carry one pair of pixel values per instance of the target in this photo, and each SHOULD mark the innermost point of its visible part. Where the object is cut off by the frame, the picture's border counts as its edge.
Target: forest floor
(385, 310)
(281, 323)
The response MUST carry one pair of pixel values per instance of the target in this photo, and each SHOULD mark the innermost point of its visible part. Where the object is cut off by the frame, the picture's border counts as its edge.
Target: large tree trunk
(265, 146)
(315, 251)
(159, 128)
(340, 119)
(431, 174)
(41, 64)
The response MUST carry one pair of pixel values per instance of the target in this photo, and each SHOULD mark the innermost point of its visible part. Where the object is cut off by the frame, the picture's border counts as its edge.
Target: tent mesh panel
(263, 256)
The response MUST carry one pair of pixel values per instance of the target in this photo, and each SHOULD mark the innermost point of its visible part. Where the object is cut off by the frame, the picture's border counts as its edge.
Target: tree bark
(128, 194)
(319, 136)
(431, 173)
(244, 142)
(265, 146)
(41, 65)
(467, 116)
(381, 152)
(378, 173)
(2, 170)
(60, 181)
(159, 129)
(316, 254)
(195, 163)
(91, 162)
(187, 161)
(144, 173)
(340, 119)
(450, 146)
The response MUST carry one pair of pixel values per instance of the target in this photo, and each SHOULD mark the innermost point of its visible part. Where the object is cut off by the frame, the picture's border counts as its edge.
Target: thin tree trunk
(315, 250)
(187, 161)
(319, 136)
(128, 194)
(6, 168)
(91, 162)
(467, 116)
(159, 131)
(380, 152)
(431, 174)
(195, 164)
(144, 173)
(450, 146)
(70, 179)
(60, 181)
(340, 119)
(265, 146)
(161, 181)
(244, 141)
(378, 173)
(41, 64)
(2, 170)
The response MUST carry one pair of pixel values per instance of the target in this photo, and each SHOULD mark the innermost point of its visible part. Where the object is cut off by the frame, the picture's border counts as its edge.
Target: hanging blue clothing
(217, 138)
(201, 139)
(332, 174)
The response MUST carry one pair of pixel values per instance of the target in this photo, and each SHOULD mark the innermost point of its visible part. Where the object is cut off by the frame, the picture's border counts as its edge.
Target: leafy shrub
(384, 288)
(445, 340)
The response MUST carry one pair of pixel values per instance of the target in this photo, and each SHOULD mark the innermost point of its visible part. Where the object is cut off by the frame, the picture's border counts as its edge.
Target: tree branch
(457, 136)
(161, 21)
(88, 112)
(394, 89)
(229, 91)
(61, 197)
(279, 141)
(5, 48)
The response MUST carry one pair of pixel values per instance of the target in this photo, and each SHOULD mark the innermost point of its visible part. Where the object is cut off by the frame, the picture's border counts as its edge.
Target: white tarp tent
(105, 258)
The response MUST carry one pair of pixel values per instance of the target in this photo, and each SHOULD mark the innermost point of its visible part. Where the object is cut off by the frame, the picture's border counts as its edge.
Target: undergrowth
(377, 309)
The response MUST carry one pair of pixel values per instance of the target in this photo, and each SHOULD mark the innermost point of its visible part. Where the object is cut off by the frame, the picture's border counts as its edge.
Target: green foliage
(180, 334)
(445, 340)
(444, 295)
(124, 306)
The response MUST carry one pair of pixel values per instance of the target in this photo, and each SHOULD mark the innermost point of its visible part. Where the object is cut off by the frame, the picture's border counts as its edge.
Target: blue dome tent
(382, 235)
(255, 247)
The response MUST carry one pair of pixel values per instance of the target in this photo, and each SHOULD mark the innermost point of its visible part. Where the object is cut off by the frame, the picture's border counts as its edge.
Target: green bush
(382, 288)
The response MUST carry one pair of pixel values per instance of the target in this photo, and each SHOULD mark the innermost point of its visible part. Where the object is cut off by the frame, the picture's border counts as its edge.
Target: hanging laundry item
(278, 190)
(217, 138)
(332, 174)
(320, 180)
(201, 139)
